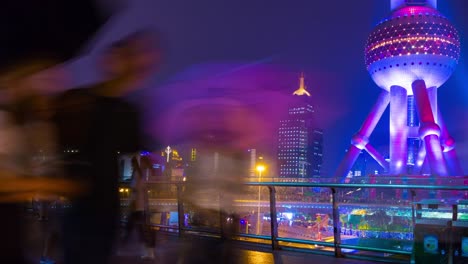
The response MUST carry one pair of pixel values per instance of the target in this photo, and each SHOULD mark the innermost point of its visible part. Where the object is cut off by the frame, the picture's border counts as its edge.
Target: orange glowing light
(302, 88)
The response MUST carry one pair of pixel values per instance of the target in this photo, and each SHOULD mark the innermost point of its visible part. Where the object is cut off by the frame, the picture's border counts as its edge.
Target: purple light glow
(415, 42)
(237, 106)
(413, 31)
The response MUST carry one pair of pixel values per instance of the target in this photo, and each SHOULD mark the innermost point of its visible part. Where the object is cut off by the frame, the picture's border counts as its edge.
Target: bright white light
(288, 216)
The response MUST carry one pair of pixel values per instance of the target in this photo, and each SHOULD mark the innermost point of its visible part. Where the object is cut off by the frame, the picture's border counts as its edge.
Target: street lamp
(260, 169)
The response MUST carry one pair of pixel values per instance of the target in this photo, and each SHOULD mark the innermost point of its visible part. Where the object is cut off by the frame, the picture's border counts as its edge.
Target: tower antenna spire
(302, 88)
(395, 4)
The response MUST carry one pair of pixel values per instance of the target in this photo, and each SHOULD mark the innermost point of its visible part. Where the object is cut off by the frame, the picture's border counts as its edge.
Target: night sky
(257, 49)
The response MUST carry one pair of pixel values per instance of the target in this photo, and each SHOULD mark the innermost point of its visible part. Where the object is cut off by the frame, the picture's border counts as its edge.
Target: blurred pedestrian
(139, 208)
(95, 125)
(26, 132)
(213, 183)
(31, 29)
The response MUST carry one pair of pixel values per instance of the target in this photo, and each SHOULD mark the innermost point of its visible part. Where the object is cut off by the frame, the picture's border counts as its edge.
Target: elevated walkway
(170, 249)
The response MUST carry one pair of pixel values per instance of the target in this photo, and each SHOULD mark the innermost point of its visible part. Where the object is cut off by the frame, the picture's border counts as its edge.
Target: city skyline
(324, 42)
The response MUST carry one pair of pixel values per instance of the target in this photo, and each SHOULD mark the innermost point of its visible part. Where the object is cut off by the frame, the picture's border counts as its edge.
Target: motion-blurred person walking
(139, 214)
(27, 137)
(30, 30)
(94, 126)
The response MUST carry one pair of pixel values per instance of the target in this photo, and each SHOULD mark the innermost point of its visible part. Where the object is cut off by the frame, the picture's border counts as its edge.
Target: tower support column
(448, 148)
(429, 130)
(398, 130)
(432, 95)
(361, 138)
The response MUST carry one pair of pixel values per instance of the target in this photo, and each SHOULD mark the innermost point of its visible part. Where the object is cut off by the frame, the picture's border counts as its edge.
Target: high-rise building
(253, 162)
(300, 142)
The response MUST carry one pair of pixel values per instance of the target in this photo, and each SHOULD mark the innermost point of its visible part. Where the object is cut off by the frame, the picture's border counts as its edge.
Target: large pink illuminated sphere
(414, 43)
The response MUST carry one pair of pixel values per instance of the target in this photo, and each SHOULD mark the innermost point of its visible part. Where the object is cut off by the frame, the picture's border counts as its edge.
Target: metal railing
(335, 203)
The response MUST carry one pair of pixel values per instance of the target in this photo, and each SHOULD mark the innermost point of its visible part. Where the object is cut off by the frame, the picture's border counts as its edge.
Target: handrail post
(336, 225)
(454, 212)
(222, 216)
(180, 209)
(273, 219)
(413, 213)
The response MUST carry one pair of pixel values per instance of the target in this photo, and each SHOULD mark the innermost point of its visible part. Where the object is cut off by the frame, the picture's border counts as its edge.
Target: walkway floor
(171, 249)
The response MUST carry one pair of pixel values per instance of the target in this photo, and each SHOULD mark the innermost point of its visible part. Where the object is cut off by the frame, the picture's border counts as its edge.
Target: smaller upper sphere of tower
(414, 42)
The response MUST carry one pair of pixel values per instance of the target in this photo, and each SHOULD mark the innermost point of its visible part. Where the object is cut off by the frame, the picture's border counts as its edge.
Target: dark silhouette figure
(94, 126)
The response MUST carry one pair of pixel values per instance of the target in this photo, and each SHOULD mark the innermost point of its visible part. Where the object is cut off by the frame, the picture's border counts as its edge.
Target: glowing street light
(260, 169)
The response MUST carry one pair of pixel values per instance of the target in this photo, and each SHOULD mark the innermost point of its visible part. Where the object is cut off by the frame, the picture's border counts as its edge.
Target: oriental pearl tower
(410, 55)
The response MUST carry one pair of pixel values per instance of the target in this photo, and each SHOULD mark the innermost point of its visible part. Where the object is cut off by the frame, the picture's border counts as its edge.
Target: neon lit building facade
(410, 55)
(300, 142)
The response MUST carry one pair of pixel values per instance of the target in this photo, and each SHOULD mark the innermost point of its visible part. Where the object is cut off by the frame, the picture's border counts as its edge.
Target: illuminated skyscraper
(300, 142)
(410, 55)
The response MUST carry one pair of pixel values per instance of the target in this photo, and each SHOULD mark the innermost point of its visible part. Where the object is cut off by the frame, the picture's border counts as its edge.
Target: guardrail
(336, 203)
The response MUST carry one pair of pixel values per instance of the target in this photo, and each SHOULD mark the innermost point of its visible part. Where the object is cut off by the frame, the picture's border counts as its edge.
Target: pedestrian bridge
(389, 227)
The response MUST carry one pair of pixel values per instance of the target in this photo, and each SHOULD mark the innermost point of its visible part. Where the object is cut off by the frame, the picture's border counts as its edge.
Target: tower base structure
(438, 147)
